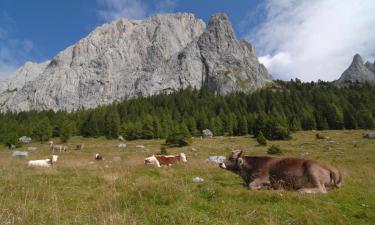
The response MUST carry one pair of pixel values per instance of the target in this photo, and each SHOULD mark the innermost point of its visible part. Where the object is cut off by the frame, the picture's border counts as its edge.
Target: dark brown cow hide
(260, 172)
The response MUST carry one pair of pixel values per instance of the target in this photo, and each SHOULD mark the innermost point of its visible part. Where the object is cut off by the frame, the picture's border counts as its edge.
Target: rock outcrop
(358, 72)
(130, 58)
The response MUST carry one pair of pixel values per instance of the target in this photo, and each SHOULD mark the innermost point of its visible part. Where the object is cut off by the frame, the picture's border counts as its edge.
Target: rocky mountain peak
(130, 58)
(358, 71)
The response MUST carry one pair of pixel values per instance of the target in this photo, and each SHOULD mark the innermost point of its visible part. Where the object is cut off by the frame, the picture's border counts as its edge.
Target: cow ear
(240, 161)
(237, 153)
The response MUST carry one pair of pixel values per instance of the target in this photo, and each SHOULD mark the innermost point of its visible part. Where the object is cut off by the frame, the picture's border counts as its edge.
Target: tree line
(276, 111)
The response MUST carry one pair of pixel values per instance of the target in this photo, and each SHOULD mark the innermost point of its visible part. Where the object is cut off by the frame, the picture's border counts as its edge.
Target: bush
(261, 139)
(66, 131)
(12, 139)
(163, 151)
(319, 136)
(178, 139)
(274, 150)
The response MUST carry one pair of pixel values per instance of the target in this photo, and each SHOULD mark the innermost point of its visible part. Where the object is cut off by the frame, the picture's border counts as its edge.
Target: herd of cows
(258, 172)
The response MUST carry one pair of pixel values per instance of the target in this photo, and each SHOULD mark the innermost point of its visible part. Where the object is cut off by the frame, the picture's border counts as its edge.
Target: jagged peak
(219, 22)
(357, 60)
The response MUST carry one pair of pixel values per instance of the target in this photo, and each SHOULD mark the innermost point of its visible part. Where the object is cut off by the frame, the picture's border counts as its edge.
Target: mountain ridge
(130, 58)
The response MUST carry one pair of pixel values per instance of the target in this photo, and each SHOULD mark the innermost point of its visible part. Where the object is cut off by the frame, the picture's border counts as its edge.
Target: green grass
(78, 190)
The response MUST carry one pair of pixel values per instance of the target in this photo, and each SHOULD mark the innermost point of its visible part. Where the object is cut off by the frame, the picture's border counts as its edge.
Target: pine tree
(90, 127)
(242, 126)
(147, 129)
(261, 139)
(66, 131)
(43, 130)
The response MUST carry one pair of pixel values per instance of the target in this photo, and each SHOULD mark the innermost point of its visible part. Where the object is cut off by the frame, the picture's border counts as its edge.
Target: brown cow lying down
(260, 172)
(160, 160)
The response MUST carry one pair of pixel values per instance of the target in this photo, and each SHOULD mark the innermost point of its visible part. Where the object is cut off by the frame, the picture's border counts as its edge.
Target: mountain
(358, 72)
(130, 58)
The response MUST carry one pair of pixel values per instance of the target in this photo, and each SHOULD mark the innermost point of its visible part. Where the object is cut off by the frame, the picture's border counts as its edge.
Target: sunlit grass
(79, 190)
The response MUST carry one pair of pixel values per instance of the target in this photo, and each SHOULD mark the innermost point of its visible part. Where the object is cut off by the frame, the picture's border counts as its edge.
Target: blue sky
(294, 38)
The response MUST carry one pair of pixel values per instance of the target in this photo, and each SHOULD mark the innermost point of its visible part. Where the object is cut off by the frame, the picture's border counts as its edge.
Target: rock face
(358, 72)
(130, 58)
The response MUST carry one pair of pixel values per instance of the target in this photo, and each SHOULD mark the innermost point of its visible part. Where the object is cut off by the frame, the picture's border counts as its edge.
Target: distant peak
(357, 59)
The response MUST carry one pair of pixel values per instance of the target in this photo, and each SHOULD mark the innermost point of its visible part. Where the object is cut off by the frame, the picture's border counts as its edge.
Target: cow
(160, 160)
(98, 156)
(44, 162)
(263, 172)
(61, 148)
(80, 146)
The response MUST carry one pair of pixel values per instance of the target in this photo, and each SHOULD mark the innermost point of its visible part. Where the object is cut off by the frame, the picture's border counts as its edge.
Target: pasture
(79, 190)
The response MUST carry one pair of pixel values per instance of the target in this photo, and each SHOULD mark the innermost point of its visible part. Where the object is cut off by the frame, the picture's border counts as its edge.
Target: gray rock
(198, 180)
(216, 159)
(25, 139)
(207, 133)
(130, 58)
(358, 72)
(369, 135)
(20, 154)
(117, 159)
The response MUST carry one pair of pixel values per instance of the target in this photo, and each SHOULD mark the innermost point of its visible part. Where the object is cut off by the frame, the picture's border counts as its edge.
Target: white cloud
(133, 9)
(316, 39)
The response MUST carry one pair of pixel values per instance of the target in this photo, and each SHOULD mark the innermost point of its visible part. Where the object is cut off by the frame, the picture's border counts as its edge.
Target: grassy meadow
(79, 190)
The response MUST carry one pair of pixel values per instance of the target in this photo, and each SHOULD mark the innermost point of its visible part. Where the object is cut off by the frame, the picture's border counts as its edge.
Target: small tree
(261, 139)
(112, 123)
(274, 150)
(66, 131)
(11, 139)
(163, 150)
(43, 130)
(181, 137)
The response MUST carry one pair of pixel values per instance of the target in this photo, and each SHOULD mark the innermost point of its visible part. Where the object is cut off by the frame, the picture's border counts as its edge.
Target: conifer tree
(66, 131)
(43, 130)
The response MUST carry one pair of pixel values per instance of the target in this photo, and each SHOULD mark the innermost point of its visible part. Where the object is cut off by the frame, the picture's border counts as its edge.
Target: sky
(303, 39)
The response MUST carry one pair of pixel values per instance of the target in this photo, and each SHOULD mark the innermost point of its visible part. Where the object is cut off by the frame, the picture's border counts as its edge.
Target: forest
(277, 111)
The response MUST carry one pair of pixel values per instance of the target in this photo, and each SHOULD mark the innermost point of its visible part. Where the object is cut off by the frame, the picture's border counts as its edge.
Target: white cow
(43, 162)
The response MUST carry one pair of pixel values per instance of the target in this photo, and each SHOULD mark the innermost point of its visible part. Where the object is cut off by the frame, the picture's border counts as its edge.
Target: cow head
(54, 158)
(152, 160)
(183, 157)
(233, 162)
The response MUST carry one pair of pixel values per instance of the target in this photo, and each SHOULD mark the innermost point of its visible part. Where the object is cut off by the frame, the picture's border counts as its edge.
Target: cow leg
(258, 184)
(318, 187)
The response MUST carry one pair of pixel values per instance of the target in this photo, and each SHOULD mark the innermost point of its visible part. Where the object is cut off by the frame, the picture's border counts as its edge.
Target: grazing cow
(43, 162)
(61, 148)
(98, 156)
(80, 146)
(160, 160)
(260, 172)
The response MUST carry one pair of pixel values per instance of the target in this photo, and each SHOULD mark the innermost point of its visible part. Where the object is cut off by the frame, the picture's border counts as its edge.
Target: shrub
(178, 139)
(163, 151)
(261, 139)
(12, 139)
(319, 136)
(66, 131)
(274, 150)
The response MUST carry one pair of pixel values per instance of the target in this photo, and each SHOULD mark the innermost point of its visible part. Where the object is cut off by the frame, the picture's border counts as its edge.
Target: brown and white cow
(80, 146)
(262, 172)
(61, 148)
(160, 160)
